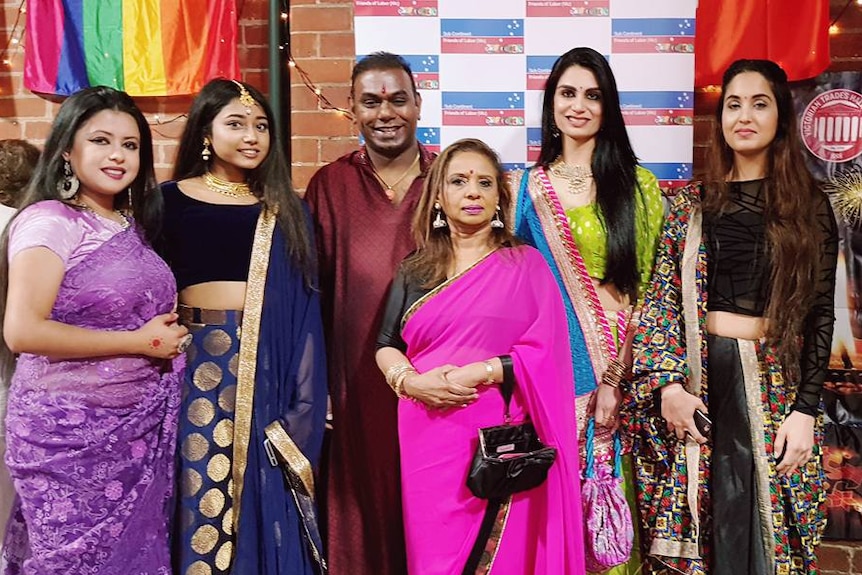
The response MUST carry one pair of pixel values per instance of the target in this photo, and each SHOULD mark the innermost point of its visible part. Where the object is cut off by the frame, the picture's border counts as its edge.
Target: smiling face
(578, 104)
(386, 110)
(749, 115)
(105, 155)
(240, 141)
(470, 191)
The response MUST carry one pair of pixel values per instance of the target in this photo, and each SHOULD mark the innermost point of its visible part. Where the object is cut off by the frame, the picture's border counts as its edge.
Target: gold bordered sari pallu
(281, 386)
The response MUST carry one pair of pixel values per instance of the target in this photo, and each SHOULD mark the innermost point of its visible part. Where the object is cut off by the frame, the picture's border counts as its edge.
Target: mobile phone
(702, 422)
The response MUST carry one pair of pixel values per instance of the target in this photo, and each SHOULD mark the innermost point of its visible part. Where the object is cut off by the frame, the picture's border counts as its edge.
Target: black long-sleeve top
(739, 271)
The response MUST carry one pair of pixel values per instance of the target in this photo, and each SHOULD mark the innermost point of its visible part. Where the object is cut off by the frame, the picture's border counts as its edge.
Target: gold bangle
(614, 374)
(398, 385)
(396, 375)
(489, 372)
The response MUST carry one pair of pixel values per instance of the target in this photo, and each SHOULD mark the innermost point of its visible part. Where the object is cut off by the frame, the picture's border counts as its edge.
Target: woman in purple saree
(93, 402)
(467, 311)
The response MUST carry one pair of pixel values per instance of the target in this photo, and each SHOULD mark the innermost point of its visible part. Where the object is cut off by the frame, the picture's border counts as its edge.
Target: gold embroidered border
(515, 178)
(555, 225)
(753, 398)
(291, 455)
(247, 367)
(486, 564)
(693, 343)
(439, 289)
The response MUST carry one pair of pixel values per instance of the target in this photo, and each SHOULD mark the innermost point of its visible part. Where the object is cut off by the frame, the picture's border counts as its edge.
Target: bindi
(383, 90)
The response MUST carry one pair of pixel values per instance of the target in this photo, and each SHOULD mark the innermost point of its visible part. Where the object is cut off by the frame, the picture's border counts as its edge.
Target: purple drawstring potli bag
(608, 529)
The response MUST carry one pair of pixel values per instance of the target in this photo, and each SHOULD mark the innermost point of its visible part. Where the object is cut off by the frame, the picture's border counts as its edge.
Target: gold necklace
(389, 189)
(124, 220)
(579, 179)
(226, 188)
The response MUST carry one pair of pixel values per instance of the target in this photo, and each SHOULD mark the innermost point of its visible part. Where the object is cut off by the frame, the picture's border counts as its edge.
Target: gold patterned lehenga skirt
(204, 521)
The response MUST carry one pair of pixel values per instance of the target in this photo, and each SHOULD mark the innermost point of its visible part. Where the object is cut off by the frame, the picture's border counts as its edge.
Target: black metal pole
(277, 62)
(279, 78)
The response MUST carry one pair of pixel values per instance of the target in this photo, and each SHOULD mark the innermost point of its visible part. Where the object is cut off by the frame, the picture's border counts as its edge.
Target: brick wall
(322, 43)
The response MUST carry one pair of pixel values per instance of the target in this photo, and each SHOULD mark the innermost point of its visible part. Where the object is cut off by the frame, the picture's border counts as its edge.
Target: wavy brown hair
(429, 264)
(791, 202)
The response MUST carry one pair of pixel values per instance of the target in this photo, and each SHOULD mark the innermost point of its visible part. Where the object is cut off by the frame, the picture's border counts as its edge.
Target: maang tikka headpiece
(245, 98)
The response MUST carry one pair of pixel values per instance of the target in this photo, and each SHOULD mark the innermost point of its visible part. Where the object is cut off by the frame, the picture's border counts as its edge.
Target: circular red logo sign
(832, 125)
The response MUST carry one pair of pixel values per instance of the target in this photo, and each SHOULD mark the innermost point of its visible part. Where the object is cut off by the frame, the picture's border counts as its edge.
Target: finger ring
(184, 344)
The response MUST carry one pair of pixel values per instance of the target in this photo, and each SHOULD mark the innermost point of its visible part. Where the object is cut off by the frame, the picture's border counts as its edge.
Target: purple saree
(508, 303)
(91, 442)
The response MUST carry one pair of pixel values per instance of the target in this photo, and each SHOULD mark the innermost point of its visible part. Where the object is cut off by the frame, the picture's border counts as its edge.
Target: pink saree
(508, 303)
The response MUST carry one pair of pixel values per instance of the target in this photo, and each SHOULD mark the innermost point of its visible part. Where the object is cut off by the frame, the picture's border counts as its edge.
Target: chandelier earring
(497, 222)
(555, 132)
(68, 186)
(206, 153)
(439, 223)
(129, 191)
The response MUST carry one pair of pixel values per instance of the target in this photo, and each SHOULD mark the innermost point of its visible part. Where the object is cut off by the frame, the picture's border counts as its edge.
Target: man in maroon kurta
(363, 204)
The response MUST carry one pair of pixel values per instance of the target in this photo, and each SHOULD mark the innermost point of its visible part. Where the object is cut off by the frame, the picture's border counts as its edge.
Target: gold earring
(206, 153)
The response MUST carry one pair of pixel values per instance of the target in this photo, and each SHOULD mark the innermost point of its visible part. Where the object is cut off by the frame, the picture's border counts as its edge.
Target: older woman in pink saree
(466, 311)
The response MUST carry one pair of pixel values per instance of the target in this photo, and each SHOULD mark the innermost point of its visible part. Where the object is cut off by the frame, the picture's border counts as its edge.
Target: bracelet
(398, 386)
(489, 372)
(614, 373)
(396, 375)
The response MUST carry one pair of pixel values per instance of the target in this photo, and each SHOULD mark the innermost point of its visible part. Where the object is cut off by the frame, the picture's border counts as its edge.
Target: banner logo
(568, 8)
(395, 8)
(482, 36)
(651, 36)
(831, 125)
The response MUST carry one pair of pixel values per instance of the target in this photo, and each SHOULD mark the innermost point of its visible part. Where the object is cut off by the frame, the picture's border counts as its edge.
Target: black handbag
(510, 458)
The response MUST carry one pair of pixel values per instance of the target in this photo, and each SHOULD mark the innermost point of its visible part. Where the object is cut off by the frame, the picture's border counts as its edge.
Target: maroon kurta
(361, 239)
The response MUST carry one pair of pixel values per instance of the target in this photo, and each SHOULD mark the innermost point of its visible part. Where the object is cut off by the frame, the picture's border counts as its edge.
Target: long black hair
(614, 165)
(270, 181)
(146, 202)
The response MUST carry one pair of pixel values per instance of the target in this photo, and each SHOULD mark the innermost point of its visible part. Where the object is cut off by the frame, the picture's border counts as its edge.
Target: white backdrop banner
(481, 66)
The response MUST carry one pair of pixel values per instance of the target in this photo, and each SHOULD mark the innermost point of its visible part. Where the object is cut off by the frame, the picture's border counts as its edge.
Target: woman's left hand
(470, 375)
(606, 405)
(795, 438)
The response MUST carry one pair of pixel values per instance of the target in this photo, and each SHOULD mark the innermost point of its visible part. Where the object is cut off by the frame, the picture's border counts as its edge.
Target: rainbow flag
(144, 47)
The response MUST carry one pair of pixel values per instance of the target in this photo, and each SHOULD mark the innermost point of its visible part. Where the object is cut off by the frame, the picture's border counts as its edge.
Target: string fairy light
(323, 102)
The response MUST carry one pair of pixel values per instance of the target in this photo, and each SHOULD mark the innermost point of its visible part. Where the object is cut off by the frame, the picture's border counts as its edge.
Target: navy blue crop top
(204, 242)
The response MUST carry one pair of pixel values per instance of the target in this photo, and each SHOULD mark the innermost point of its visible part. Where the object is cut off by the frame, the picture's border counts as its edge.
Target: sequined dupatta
(280, 410)
(540, 220)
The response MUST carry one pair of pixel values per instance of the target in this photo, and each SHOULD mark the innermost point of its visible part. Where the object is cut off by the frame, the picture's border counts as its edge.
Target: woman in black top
(737, 325)
(239, 242)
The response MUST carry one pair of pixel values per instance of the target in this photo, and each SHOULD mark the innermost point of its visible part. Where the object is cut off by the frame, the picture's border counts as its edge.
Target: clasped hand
(162, 336)
(446, 386)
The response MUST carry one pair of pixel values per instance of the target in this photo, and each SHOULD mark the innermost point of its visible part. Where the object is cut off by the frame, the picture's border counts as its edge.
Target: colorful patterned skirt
(203, 543)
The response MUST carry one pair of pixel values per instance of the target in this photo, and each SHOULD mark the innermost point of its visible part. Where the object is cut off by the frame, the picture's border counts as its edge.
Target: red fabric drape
(794, 33)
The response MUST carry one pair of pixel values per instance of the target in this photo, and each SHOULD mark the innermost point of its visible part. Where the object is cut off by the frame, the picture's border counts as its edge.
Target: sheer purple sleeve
(49, 224)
